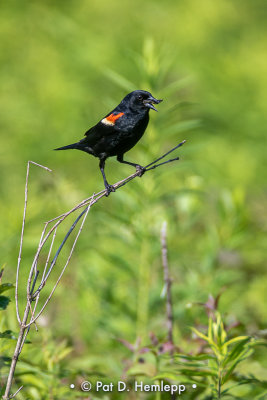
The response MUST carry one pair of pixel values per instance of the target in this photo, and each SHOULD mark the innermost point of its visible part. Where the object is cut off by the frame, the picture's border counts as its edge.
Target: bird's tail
(69, 146)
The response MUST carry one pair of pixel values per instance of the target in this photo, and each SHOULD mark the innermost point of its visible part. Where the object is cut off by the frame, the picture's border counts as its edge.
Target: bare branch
(16, 352)
(85, 212)
(167, 281)
(15, 394)
(22, 232)
(166, 154)
(39, 165)
(1, 274)
(33, 273)
(35, 261)
(45, 268)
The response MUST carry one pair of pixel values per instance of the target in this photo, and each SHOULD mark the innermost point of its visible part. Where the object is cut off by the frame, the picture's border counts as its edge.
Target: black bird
(118, 131)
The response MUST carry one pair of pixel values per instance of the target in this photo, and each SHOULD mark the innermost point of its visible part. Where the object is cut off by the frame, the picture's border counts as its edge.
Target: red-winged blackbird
(118, 131)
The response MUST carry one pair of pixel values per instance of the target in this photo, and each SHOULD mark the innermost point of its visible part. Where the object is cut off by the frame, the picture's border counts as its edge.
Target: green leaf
(64, 353)
(166, 375)
(197, 357)
(4, 301)
(210, 328)
(7, 335)
(221, 331)
(245, 354)
(147, 369)
(257, 343)
(189, 364)
(4, 361)
(237, 349)
(201, 335)
(6, 286)
(246, 381)
(175, 377)
(236, 339)
(191, 372)
(262, 396)
(207, 339)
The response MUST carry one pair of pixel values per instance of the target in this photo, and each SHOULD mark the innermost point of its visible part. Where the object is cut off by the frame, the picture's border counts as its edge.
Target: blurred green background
(66, 64)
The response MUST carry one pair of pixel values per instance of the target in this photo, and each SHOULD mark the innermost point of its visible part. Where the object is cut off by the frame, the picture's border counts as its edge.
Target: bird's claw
(140, 170)
(109, 189)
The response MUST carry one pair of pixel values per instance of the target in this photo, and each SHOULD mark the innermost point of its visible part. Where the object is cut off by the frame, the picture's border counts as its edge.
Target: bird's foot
(109, 189)
(140, 170)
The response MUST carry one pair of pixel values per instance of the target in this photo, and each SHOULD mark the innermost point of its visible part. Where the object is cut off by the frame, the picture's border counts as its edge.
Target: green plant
(214, 368)
(223, 357)
(40, 373)
(43, 373)
(6, 335)
(213, 371)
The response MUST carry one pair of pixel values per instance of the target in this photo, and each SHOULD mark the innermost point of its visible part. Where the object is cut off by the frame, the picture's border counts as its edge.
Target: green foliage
(44, 372)
(213, 369)
(6, 336)
(227, 354)
(4, 300)
(36, 372)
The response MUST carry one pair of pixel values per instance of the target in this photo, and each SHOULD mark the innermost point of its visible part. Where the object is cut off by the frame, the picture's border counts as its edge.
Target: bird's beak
(150, 101)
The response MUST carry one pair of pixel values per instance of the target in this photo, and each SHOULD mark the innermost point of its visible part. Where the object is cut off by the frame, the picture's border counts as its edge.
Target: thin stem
(168, 282)
(15, 394)
(63, 270)
(34, 282)
(164, 155)
(165, 162)
(45, 268)
(16, 352)
(219, 380)
(22, 232)
(59, 250)
(35, 262)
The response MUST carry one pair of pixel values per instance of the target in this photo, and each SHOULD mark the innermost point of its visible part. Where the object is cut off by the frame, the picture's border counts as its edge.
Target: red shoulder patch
(113, 117)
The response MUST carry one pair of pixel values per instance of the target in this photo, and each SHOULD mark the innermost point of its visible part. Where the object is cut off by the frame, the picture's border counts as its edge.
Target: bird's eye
(140, 97)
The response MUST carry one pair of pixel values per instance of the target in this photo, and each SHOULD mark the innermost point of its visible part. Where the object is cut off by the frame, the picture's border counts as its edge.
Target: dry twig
(53, 224)
(167, 281)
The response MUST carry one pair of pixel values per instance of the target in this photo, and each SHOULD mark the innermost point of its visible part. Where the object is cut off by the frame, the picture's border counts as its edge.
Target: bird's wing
(97, 132)
(107, 126)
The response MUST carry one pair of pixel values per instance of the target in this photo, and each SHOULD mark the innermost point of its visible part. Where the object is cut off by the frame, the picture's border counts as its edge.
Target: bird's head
(141, 100)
